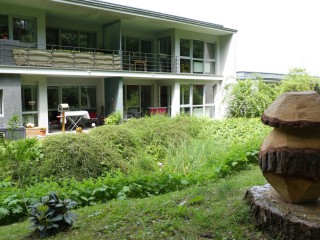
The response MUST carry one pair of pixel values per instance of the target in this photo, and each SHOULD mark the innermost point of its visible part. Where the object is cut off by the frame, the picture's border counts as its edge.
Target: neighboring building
(104, 57)
(267, 77)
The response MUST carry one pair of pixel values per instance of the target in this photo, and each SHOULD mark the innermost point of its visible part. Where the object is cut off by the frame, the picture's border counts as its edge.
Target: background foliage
(249, 98)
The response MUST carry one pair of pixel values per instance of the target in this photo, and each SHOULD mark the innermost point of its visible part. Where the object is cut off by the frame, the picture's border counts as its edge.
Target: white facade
(149, 66)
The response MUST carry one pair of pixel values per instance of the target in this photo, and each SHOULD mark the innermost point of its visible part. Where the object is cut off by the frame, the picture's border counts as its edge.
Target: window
(67, 39)
(24, 29)
(88, 97)
(1, 102)
(197, 100)
(29, 97)
(196, 56)
(137, 98)
(78, 97)
(4, 27)
(70, 95)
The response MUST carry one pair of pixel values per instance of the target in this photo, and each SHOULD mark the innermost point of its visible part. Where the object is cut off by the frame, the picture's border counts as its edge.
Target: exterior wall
(11, 86)
(227, 64)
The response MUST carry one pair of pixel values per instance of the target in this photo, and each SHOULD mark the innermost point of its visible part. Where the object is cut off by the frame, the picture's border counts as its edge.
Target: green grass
(215, 210)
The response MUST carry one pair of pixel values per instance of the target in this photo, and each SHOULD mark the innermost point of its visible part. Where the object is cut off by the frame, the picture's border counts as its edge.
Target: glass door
(164, 54)
(165, 98)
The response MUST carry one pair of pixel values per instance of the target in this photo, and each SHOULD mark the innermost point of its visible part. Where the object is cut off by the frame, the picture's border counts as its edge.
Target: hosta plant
(52, 215)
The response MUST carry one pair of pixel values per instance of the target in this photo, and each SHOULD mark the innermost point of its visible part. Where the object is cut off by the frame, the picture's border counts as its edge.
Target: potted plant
(43, 131)
(4, 36)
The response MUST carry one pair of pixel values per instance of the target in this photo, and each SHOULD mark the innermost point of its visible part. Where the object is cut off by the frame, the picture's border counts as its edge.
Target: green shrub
(113, 119)
(119, 137)
(249, 98)
(75, 155)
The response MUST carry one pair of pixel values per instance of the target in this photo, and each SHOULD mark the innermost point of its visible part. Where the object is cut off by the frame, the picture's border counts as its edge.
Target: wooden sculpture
(290, 156)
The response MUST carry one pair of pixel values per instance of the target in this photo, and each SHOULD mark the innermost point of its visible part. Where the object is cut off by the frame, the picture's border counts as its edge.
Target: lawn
(214, 210)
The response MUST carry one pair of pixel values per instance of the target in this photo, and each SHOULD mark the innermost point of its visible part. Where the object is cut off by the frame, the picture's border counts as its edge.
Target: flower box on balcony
(66, 59)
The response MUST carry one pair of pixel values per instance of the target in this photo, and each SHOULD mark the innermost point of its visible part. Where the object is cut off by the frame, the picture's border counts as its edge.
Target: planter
(34, 132)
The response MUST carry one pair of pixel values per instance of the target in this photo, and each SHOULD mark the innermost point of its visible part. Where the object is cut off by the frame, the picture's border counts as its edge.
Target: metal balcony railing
(12, 53)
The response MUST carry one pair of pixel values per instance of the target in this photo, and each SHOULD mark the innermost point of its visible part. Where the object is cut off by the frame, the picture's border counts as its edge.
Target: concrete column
(43, 103)
(175, 99)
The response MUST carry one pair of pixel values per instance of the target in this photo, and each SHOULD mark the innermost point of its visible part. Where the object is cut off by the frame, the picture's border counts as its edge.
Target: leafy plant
(249, 98)
(52, 215)
(113, 119)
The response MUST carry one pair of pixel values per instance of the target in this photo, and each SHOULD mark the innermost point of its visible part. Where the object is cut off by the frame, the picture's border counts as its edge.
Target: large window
(78, 98)
(4, 27)
(29, 97)
(1, 102)
(137, 99)
(24, 29)
(196, 56)
(197, 100)
(66, 39)
(137, 54)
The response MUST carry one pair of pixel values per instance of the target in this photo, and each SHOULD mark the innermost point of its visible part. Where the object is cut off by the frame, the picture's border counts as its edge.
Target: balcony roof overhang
(105, 74)
(101, 12)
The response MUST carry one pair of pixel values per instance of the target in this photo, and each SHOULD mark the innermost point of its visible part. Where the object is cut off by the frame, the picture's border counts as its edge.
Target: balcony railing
(13, 53)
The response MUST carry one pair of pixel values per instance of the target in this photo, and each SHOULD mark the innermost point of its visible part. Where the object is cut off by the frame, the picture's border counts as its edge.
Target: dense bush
(249, 98)
(76, 156)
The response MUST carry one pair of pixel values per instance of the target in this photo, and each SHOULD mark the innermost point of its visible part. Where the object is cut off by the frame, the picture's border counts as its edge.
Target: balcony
(13, 53)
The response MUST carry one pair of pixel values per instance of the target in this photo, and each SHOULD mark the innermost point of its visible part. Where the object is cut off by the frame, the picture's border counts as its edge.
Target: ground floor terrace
(35, 97)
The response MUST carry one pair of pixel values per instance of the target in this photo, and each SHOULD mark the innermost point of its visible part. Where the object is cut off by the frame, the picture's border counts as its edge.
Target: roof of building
(268, 77)
(146, 13)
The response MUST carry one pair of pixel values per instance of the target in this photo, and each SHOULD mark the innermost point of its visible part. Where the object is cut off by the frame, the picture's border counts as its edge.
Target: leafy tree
(297, 80)
(249, 98)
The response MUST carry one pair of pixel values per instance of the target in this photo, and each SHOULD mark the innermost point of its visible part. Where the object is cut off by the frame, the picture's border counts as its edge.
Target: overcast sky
(273, 35)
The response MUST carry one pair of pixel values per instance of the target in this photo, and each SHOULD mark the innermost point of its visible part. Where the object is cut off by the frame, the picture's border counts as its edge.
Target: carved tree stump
(290, 156)
(282, 220)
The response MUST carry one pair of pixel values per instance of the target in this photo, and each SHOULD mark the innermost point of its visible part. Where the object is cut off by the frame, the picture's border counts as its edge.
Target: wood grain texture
(294, 110)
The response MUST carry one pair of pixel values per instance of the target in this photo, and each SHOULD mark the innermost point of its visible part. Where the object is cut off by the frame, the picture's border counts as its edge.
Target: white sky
(273, 35)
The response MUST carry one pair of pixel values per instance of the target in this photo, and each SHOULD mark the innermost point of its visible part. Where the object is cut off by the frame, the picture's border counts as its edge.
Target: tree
(249, 98)
(297, 80)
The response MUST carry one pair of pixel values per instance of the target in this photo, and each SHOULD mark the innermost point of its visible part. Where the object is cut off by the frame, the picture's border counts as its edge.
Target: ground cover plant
(215, 210)
(141, 158)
